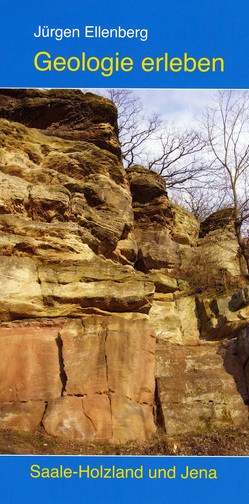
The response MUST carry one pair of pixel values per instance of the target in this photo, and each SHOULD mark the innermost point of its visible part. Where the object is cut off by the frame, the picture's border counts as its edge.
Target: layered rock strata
(105, 328)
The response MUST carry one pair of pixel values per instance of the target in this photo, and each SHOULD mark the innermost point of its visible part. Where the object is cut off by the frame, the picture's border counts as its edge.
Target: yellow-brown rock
(22, 416)
(219, 319)
(175, 321)
(66, 114)
(110, 317)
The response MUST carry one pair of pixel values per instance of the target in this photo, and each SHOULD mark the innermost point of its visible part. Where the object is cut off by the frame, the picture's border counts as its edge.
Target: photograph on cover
(124, 272)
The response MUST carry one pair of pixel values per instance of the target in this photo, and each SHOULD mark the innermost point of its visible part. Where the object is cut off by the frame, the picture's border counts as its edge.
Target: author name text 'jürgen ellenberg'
(92, 32)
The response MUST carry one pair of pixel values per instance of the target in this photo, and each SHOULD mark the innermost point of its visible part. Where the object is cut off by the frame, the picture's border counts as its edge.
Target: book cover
(124, 251)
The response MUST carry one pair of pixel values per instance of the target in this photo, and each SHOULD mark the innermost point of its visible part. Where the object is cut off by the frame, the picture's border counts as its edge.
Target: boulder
(218, 318)
(219, 221)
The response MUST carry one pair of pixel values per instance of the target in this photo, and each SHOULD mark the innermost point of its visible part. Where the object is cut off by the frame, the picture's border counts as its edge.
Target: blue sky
(176, 105)
(181, 106)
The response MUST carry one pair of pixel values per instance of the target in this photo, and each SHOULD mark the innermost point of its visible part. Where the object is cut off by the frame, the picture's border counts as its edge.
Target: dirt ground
(229, 443)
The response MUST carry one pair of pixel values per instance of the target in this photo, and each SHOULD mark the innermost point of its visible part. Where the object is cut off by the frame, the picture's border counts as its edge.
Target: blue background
(230, 487)
(202, 28)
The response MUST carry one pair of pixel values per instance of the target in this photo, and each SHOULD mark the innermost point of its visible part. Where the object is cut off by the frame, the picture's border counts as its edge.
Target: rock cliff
(117, 312)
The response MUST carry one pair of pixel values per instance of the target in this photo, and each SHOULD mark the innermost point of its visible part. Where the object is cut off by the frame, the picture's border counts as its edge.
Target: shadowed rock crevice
(63, 375)
(159, 418)
(234, 367)
(44, 413)
(109, 392)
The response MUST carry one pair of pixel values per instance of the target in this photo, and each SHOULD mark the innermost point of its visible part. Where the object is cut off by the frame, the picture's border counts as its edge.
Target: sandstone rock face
(29, 365)
(69, 181)
(160, 226)
(105, 324)
(95, 374)
(68, 417)
(201, 385)
(218, 221)
(21, 416)
(175, 321)
(69, 115)
(196, 388)
(200, 395)
(222, 317)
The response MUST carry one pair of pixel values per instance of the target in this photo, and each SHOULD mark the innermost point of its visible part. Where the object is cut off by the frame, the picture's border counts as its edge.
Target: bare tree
(155, 144)
(134, 127)
(227, 131)
(176, 155)
(200, 200)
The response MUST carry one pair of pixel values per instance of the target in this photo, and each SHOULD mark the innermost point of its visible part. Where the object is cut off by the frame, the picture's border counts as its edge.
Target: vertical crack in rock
(46, 405)
(107, 378)
(106, 362)
(197, 314)
(246, 382)
(158, 414)
(181, 330)
(63, 375)
(89, 418)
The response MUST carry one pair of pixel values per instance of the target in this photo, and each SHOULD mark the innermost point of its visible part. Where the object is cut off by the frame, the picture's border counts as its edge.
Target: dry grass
(229, 443)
